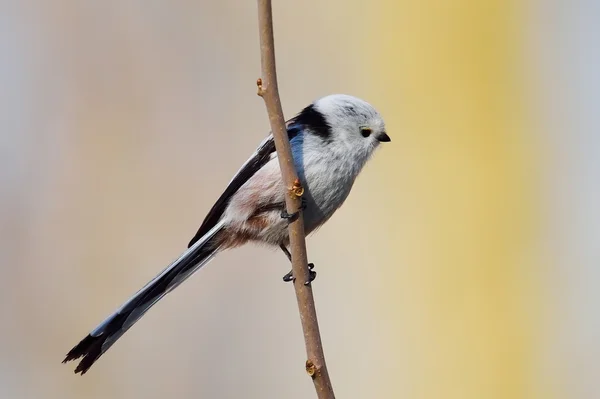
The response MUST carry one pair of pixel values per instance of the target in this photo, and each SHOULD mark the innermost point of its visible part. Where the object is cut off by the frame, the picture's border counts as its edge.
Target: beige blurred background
(464, 264)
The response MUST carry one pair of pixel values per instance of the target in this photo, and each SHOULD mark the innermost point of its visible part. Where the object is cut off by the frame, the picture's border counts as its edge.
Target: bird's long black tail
(113, 327)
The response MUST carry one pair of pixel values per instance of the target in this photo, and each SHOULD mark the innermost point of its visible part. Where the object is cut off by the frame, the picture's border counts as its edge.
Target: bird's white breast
(328, 177)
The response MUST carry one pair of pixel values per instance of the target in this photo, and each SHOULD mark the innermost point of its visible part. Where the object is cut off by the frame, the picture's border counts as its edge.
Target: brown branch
(267, 89)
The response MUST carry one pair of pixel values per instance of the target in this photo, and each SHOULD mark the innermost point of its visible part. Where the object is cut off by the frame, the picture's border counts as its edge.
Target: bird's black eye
(366, 131)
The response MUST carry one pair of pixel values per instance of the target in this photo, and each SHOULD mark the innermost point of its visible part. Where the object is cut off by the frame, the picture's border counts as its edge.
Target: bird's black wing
(252, 165)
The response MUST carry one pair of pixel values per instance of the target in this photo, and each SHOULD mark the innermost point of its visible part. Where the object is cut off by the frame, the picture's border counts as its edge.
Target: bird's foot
(292, 217)
(311, 275)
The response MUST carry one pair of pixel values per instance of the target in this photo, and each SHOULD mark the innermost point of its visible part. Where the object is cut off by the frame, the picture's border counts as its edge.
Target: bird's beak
(383, 138)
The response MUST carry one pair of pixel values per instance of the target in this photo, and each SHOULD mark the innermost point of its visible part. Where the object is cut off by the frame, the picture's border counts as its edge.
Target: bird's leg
(292, 217)
(290, 276)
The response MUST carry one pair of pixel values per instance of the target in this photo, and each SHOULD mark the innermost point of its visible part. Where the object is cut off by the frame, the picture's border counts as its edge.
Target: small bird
(331, 140)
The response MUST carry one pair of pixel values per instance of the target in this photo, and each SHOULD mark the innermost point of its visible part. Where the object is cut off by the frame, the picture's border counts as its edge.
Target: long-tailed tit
(331, 141)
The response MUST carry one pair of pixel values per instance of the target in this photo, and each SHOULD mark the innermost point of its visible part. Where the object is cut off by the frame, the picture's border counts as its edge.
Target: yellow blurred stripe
(461, 174)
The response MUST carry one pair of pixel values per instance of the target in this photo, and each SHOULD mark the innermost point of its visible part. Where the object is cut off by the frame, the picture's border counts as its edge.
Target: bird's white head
(346, 120)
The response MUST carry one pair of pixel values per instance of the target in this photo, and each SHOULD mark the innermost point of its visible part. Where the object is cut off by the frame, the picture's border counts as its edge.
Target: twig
(268, 90)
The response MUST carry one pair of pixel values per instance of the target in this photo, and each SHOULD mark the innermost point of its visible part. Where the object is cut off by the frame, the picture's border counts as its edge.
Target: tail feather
(112, 328)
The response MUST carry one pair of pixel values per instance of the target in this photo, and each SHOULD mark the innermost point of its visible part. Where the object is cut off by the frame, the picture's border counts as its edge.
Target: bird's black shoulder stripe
(311, 118)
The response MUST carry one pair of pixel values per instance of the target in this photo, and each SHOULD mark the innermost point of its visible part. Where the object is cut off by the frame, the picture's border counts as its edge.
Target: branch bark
(268, 90)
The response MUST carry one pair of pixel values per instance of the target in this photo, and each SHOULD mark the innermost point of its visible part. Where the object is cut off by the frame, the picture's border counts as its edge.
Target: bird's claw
(311, 275)
(292, 217)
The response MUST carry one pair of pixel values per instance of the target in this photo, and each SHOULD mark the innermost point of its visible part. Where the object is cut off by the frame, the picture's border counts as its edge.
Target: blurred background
(465, 264)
